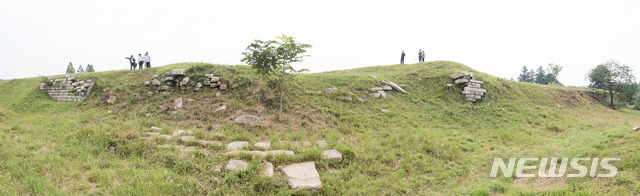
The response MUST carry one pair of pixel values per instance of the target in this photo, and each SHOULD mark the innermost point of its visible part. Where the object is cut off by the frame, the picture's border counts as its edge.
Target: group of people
(421, 56)
(142, 61)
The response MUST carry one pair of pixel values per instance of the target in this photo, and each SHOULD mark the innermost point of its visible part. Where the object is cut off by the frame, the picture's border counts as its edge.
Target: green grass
(430, 142)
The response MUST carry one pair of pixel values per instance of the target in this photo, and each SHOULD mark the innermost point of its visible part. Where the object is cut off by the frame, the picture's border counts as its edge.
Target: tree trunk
(281, 93)
(611, 100)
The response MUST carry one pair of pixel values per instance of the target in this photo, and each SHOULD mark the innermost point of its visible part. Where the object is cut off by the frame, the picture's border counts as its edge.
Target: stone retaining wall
(176, 78)
(68, 88)
(471, 88)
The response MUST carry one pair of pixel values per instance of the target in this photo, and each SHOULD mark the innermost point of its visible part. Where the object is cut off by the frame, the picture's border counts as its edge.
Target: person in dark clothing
(419, 55)
(402, 58)
(132, 61)
(140, 61)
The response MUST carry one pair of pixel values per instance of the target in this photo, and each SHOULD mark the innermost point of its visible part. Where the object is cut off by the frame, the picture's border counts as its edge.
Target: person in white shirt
(147, 59)
(140, 61)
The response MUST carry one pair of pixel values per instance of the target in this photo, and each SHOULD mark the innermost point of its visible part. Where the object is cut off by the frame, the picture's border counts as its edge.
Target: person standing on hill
(402, 58)
(132, 61)
(419, 55)
(422, 56)
(147, 59)
(140, 61)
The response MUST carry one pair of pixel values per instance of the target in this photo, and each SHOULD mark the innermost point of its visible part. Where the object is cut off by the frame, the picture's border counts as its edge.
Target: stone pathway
(298, 175)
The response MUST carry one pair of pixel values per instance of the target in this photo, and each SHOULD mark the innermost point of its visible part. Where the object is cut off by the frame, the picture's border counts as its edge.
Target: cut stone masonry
(68, 88)
(176, 78)
(471, 88)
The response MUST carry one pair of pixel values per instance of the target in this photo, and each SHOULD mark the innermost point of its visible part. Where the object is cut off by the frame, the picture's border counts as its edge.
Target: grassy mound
(428, 141)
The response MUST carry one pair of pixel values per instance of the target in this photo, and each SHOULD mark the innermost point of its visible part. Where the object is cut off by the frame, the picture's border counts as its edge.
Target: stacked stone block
(471, 88)
(176, 78)
(211, 81)
(68, 88)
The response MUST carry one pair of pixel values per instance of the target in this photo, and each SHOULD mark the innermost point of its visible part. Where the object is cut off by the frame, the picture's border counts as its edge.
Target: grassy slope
(430, 141)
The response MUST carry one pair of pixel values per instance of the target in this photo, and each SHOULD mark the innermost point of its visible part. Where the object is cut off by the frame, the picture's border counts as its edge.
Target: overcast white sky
(40, 37)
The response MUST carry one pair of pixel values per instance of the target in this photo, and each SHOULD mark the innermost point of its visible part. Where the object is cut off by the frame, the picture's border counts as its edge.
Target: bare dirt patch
(572, 98)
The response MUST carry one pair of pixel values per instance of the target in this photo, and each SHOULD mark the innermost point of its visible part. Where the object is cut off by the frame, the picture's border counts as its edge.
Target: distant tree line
(616, 79)
(71, 70)
(541, 75)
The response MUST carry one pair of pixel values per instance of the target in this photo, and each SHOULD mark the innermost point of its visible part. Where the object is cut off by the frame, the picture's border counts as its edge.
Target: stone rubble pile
(176, 78)
(381, 91)
(471, 88)
(68, 88)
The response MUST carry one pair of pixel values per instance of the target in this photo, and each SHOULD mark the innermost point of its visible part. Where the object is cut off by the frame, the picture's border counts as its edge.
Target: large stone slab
(280, 152)
(267, 169)
(168, 79)
(302, 175)
(475, 81)
(382, 94)
(247, 119)
(460, 81)
(396, 87)
(155, 82)
(184, 81)
(237, 145)
(263, 145)
(236, 165)
(177, 103)
(376, 89)
(264, 153)
(178, 72)
(332, 155)
(460, 75)
(180, 132)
